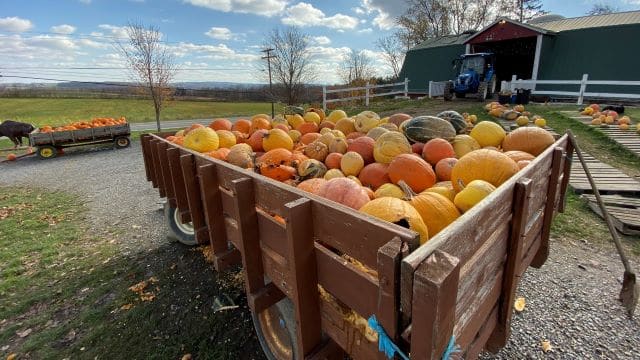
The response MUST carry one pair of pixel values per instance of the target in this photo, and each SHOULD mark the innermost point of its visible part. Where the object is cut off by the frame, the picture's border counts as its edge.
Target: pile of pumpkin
(606, 118)
(422, 171)
(517, 114)
(94, 123)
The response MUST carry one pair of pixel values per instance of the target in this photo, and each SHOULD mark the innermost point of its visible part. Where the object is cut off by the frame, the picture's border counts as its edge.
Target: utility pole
(269, 57)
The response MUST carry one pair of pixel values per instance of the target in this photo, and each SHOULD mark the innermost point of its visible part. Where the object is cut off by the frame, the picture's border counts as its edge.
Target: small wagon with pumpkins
(50, 141)
(328, 273)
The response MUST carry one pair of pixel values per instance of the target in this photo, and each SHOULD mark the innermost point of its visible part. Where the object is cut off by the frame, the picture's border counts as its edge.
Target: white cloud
(365, 31)
(303, 14)
(63, 29)
(15, 24)
(386, 11)
(116, 31)
(85, 1)
(210, 52)
(358, 10)
(257, 7)
(92, 44)
(321, 40)
(219, 33)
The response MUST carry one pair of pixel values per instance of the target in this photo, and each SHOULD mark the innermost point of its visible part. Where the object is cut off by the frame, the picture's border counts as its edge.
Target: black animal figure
(617, 108)
(15, 131)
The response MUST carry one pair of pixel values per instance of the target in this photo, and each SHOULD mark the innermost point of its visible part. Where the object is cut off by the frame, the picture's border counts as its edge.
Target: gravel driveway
(571, 301)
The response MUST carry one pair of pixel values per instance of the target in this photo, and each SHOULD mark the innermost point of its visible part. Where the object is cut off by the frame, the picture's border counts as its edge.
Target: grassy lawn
(60, 111)
(65, 291)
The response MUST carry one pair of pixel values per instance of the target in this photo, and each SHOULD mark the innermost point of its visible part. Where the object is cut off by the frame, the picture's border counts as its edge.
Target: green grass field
(60, 111)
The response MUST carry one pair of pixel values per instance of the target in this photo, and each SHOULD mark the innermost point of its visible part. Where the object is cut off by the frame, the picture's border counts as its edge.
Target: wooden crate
(462, 282)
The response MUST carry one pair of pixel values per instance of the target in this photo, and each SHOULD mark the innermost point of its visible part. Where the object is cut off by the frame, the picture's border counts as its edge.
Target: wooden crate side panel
(155, 166)
(144, 144)
(192, 189)
(166, 174)
(179, 189)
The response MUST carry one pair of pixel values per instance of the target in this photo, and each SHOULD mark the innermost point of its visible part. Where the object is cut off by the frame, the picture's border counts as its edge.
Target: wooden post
(324, 97)
(179, 189)
(304, 275)
(389, 257)
(430, 89)
(568, 159)
(406, 87)
(166, 173)
(522, 192)
(583, 88)
(514, 80)
(366, 95)
(144, 143)
(192, 190)
(543, 252)
(435, 291)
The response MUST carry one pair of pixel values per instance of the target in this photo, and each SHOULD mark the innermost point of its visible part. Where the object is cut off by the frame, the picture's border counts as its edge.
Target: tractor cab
(475, 75)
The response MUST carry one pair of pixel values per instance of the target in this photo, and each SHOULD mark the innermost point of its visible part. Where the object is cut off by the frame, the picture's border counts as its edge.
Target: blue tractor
(476, 76)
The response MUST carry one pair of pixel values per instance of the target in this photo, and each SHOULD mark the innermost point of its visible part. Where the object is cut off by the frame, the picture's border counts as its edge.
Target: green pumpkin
(424, 128)
(455, 119)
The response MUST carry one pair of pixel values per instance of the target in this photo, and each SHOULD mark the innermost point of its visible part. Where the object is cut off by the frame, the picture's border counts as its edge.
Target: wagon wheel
(183, 233)
(276, 330)
(121, 142)
(47, 152)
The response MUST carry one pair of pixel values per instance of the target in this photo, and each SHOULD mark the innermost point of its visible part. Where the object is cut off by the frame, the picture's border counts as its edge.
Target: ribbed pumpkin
(532, 140)
(220, 154)
(444, 167)
(336, 115)
(436, 211)
(338, 145)
(455, 119)
(376, 132)
(242, 125)
(345, 125)
(333, 173)
(355, 135)
(488, 165)
(463, 144)
(517, 155)
(523, 163)
(345, 192)
(414, 171)
(374, 175)
(241, 155)
(391, 190)
(364, 147)
(226, 138)
(389, 126)
(316, 150)
(445, 191)
(312, 185)
(308, 138)
(399, 118)
(366, 121)
(425, 128)
(472, 194)
(221, 124)
(398, 212)
(351, 163)
(258, 123)
(311, 168)
(295, 135)
(202, 140)
(277, 139)
(389, 145)
(327, 124)
(488, 133)
(333, 160)
(437, 149)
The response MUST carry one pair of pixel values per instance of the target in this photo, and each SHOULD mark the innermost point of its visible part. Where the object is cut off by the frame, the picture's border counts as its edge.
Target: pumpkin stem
(408, 192)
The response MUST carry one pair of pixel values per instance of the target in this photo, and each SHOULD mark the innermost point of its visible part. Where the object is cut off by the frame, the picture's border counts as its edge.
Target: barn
(547, 48)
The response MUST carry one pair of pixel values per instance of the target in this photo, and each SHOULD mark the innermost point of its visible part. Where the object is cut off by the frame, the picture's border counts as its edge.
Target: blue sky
(211, 34)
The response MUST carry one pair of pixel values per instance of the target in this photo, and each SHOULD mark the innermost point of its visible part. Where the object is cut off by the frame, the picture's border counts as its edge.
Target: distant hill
(114, 84)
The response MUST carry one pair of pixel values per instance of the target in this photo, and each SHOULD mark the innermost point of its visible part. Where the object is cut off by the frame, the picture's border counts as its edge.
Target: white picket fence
(531, 84)
(436, 88)
(367, 95)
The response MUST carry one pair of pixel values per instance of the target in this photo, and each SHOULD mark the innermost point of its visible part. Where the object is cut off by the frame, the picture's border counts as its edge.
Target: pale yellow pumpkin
(202, 140)
(226, 138)
(488, 133)
(484, 164)
(332, 174)
(346, 126)
(351, 163)
(472, 194)
(366, 121)
(277, 139)
(436, 211)
(395, 210)
(389, 145)
(391, 190)
(336, 115)
(463, 144)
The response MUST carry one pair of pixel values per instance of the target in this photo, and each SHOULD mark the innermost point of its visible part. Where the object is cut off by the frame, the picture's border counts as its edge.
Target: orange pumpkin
(11, 157)
(533, 140)
(260, 123)
(276, 164)
(186, 131)
(399, 118)
(316, 150)
(355, 135)
(344, 191)
(327, 124)
(517, 155)
(523, 163)
(282, 127)
(312, 185)
(417, 148)
(221, 124)
(333, 160)
(414, 171)
(220, 154)
(242, 125)
(491, 166)
(444, 168)
(308, 138)
(374, 175)
(437, 149)
(363, 146)
(308, 127)
(436, 211)
(255, 140)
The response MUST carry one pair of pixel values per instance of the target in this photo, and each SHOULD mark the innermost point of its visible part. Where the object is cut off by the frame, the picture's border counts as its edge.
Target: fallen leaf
(186, 357)
(546, 345)
(126, 306)
(12, 356)
(173, 266)
(153, 280)
(519, 304)
(147, 296)
(139, 287)
(24, 333)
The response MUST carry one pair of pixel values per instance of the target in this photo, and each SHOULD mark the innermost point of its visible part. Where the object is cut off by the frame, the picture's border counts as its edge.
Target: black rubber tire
(448, 91)
(176, 230)
(121, 142)
(47, 152)
(482, 91)
(287, 321)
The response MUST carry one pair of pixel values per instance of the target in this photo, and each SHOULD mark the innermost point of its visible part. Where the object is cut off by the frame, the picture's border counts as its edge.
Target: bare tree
(290, 65)
(356, 67)
(522, 10)
(602, 9)
(393, 53)
(150, 62)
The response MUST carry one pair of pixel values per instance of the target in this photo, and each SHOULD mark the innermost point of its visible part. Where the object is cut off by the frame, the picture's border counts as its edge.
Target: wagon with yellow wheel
(49, 144)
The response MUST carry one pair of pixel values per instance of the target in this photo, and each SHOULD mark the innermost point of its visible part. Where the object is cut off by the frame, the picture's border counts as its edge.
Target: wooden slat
(388, 312)
(272, 233)
(154, 161)
(179, 189)
(144, 143)
(167, 180)
(192, 189)
(488, 327)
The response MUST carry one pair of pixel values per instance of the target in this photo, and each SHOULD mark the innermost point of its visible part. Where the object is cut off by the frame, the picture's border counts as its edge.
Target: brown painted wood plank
(475, 348)
(179, 189)
(192, 189)
(144, 144)
(388, 312)
(166, 173)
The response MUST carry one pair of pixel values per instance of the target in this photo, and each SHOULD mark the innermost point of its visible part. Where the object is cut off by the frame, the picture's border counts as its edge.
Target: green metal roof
(585, 22)
(443, 41)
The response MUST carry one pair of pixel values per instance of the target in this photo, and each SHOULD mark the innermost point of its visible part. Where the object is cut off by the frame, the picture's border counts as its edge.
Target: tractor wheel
(121, 142)
(448, 91)
(482, 91)
(47, 152)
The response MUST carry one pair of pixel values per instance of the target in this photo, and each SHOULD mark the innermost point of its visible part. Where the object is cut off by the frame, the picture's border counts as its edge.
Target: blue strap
(386, 345)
